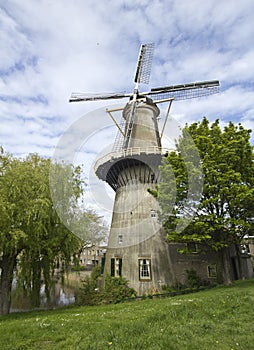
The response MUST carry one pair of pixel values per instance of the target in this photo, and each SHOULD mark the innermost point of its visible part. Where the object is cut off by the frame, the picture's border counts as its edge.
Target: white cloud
(50, 48)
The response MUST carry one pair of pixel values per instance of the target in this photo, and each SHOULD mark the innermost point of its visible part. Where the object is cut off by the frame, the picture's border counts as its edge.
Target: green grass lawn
(220, 318)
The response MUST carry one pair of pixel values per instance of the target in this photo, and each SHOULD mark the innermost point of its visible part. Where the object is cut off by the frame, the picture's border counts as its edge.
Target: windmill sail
(185, 91)
(144, 65)
(79, 96)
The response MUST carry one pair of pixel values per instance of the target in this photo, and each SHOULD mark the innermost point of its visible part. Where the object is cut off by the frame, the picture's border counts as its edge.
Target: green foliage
(114, 289)
(192, 279)
(77, 268)
(31, 233)
(221, 318)
(36, 217)
(88, 294)
(222, 213)
(96, 273)
(192, 282)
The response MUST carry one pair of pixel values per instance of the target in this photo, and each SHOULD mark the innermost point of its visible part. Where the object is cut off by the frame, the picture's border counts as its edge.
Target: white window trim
(142, 272)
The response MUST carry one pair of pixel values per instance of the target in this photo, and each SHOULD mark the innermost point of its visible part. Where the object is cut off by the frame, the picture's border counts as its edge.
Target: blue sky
(50, 48)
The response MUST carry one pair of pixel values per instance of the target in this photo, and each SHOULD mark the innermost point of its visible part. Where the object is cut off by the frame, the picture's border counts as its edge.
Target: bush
(96, 273)
(192, 279)
(77, 268)
(114, 290)
(88, 294)
(178, 286)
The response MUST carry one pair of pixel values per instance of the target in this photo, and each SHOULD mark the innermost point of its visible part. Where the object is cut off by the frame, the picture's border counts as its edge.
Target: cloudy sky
(50, 48)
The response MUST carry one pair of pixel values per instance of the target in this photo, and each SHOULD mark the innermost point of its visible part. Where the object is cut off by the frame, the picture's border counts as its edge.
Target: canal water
(60, 296)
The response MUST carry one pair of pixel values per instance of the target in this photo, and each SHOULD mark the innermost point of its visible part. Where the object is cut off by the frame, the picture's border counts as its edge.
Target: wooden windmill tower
(137, 249)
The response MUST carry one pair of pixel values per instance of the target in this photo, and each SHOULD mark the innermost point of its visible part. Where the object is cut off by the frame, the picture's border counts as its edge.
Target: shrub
(114, 290)
(87, 295)
(192, 279)
(178, 286)
(96, 273)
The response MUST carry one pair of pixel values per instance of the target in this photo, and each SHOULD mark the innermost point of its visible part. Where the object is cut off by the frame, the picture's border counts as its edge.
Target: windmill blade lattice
(185, 91)
(144, 65)
(81, 97)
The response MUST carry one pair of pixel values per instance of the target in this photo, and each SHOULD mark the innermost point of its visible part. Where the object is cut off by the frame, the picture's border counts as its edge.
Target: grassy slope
(221, 318)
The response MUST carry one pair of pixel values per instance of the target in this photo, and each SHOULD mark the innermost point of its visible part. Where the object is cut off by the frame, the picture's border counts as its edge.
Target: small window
(116, 267)
(145, 269)
(153, 213)
(245, 249)
(212, 271)
(192, 247)
(120, 239)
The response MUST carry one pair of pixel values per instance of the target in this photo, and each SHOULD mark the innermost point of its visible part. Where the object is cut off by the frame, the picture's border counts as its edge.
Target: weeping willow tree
(33, 240)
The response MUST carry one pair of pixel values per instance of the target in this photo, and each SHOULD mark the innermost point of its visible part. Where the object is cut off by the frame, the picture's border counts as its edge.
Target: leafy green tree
(222, 213)
(96, 229)
(32, 236)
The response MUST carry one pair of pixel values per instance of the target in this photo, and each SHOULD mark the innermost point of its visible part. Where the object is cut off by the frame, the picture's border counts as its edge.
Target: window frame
(153, 213)
(120, 239)
(192, 247)
(212, 271)
(116, 266)
(144, 269)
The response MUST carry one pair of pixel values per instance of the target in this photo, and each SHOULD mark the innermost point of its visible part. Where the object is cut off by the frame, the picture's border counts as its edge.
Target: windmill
(136, 248)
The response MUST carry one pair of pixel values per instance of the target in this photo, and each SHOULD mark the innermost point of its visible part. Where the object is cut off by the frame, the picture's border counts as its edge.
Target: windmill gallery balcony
(108, 167)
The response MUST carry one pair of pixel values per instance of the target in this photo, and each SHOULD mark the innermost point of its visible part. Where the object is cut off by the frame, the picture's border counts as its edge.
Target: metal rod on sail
(118, 126)
(166, 119)
(130, 120)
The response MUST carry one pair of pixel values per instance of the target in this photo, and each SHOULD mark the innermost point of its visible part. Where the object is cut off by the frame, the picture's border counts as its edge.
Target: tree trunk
(36, 283)
(239, 260)
(226, 271)
(8, 264)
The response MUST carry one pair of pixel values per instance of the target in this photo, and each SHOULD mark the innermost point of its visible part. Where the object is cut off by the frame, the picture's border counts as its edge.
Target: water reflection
(60, 296)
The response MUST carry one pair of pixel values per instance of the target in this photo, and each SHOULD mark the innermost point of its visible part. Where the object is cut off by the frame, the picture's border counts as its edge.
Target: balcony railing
(134, 151)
